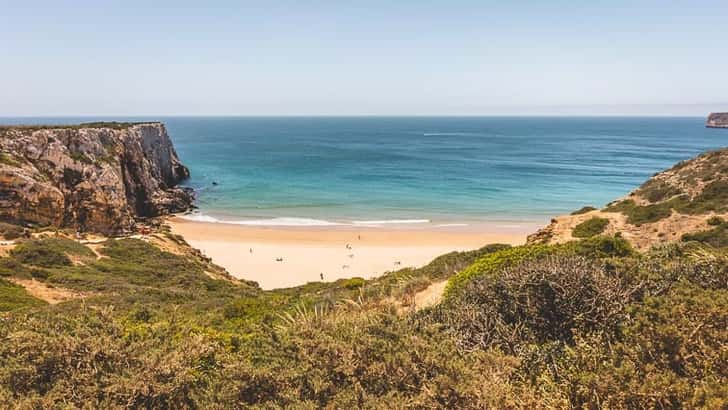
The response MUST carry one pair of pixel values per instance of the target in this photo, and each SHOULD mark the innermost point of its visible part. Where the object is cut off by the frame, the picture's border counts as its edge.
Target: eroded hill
(690, 198)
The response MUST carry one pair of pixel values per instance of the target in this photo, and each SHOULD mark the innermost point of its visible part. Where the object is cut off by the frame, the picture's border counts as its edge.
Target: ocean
(446, 171)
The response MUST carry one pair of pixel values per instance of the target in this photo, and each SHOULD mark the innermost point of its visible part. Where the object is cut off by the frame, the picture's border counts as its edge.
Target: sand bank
(288, 256)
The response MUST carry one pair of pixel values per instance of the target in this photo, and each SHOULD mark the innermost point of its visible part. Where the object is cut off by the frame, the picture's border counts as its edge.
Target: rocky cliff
(717, 120)
(94, 177)
(690, 197)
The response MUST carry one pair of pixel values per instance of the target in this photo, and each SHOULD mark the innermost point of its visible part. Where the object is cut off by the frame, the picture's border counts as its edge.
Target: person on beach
(322, 275)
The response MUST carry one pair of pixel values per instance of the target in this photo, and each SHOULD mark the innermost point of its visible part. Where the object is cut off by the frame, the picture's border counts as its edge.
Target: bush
(715, 221)
(591, 227)
(34, 253)
(50, 252)
(669, 356)
(536, 301)
(584, 210)
(11, 267)
(638, 215)
(716, 237)
(354, 283)
(489, 265)
(10, 232)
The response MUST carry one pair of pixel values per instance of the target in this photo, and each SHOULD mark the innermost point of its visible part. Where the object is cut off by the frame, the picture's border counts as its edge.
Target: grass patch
(8, 159)
(716, 237)
(10, 231)
(714, 197)
(14, 297)
(591, 227)
(656, 190)
(50, 252)
(638, 215)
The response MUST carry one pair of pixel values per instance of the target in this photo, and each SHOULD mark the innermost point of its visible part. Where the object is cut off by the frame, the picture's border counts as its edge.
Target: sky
(370, 57)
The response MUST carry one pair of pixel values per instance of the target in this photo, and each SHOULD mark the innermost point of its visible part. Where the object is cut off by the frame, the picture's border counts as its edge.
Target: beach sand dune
(278, 257)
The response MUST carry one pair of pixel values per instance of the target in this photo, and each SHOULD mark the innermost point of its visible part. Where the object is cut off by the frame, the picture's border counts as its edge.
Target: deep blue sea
(441, 170)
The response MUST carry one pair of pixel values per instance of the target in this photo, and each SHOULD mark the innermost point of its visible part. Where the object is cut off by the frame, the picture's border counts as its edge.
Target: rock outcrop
(687, 198)
(717, 120)
(97, 177)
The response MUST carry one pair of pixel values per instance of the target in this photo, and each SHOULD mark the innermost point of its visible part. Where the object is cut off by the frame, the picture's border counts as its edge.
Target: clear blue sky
(362, 57)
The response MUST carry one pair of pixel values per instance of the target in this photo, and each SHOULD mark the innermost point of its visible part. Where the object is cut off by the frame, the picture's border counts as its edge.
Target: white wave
(197, 217)
(449, 134)
(286, 222)
(392, 221)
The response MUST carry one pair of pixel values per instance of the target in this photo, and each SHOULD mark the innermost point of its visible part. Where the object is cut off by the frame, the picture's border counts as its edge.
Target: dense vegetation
(99, 124)
(584, 324)
(693, 187)
(591, 227)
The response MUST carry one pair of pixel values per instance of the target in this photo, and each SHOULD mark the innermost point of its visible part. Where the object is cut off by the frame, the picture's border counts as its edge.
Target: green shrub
(713, 198)
(11, 267)
(669, 356)
(491, 263)
(354, 283)
(32, 254)
(537, 301)
(638, 215)
(591, 227)
(584, 210)
(50, 252)
(8, 159)
(656, 190)
(715, 221)
(10, 232)
(717, 237)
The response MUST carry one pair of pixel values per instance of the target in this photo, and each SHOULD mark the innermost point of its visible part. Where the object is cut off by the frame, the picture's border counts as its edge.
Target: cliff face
(684, 199)
(99, 177)
(717, 120)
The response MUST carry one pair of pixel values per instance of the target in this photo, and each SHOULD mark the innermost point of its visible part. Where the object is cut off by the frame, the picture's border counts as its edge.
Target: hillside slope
(687, 198)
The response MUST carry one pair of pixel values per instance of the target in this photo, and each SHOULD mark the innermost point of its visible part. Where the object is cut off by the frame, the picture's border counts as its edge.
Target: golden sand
(278, 257)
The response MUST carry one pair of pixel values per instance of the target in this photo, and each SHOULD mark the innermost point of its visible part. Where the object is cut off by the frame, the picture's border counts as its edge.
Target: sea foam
(292, 221)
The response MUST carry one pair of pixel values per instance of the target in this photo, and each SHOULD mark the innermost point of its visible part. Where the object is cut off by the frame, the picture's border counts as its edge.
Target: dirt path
(52, 295)
(431, 296)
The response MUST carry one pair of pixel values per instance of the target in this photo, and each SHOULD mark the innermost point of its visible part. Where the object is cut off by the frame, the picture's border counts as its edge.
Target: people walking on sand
(322, 275)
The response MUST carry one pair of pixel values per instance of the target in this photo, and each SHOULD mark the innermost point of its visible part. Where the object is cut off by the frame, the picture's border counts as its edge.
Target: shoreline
(286, 256)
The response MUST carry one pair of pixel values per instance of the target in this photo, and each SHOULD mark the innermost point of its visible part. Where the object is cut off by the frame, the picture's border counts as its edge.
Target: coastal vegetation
(590, 227)
(146, 321)
(584, 210)
(587, 323)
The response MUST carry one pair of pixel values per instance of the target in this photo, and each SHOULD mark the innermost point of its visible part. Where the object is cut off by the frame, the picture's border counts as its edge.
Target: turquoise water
(452, 170)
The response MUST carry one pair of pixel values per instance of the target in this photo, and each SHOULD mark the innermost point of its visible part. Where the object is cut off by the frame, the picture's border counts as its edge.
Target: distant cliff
(717, 120)
(93, 177)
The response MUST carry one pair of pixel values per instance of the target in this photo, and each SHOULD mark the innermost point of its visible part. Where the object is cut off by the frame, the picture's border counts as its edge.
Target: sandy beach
(278, 257)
